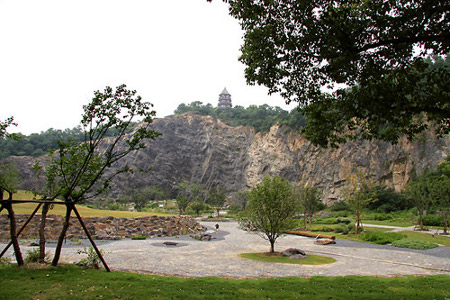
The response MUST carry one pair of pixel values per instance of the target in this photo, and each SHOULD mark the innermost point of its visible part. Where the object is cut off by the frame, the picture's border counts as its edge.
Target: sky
(55, 53)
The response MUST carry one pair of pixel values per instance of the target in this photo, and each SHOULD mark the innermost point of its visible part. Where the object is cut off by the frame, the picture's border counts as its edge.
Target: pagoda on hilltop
(224, 99)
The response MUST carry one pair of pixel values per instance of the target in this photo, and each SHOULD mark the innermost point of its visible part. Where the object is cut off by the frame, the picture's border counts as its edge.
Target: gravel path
(219, 257)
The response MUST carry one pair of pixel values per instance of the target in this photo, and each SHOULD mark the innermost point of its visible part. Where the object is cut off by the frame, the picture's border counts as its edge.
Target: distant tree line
(260, 117)
(37, 144)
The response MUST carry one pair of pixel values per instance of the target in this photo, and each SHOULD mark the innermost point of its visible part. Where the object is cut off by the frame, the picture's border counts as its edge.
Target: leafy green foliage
(358, 194)
(37, 144)
(433, 220)
(33, 256)
(387, 200)
(432, 188)
(343, 228)
(9, 179)
(272, 205)
(381, 238)
(414, 244)
(259, 117)
(309, 198)
(351, 65)
(78, 168)
(139, 237)
(217, 197)
(91, 260)
(3, 129)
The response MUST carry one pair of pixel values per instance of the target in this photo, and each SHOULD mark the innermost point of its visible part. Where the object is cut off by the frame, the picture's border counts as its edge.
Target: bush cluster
(338, 220)
(343, 228)
(381, 238)
(433, 220)
(414, 244)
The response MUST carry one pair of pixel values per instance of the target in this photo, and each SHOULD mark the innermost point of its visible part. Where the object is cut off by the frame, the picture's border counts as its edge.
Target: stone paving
(219, 257)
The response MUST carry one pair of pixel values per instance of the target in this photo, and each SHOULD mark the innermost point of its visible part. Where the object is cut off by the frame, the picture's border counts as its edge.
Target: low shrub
(433, 220)
(92, 260)
(5, 260)
(343, 220)
(327, 221)
(342, 213)
(338, 220)
(343, 228)
(414, 244)
(382, 217)
(339, 206)
(33, 256)
(381, 238)
(139, 237)
(323, 229)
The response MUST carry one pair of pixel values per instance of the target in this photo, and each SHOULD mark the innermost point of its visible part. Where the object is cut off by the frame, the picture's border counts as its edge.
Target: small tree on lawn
(440, 191)
(358, 193)
(217, 198)
(79, 169)
(183, 200)
(271, 208)
(418, 193)
(309, 198)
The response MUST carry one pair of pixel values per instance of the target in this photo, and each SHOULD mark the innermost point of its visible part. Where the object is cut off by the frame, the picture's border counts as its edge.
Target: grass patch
(426, 237)
(72, 282)
(27, 208)
(414, 244)
(278, 258)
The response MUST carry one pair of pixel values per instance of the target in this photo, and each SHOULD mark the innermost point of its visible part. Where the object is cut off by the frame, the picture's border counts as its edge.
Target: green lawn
(420, 236)
(27, 208)
(278, 258)
(71, 282)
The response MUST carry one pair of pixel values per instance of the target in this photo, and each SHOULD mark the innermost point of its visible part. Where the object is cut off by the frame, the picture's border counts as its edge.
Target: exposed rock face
(200, 149)
(104, 228)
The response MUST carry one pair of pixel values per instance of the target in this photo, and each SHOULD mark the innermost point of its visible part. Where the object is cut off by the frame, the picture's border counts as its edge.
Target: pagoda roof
(225, 91)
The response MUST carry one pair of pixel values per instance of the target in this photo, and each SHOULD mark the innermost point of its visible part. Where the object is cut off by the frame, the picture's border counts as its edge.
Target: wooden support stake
(90, 238)
(21, 229)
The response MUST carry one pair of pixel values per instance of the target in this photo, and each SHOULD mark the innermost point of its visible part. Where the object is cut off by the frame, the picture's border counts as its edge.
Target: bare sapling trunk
(306, 221)
(445, 221)
(69, 208)
(421, 219)
(272, 245)
(358, 222)
(12, 230)
(42, 241)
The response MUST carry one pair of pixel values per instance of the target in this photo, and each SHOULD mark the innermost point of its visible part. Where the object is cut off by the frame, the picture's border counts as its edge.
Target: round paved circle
(219, 257)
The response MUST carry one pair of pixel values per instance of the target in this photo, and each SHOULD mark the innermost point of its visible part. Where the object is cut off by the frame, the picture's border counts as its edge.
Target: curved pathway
(219, 257)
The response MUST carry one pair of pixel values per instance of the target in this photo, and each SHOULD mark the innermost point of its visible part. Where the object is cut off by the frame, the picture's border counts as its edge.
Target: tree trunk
(445, 217)
(272, 246)
(306, 220)
(69, 208)
(12, 230)
(357, 222)
(45, 209)
(421, 219)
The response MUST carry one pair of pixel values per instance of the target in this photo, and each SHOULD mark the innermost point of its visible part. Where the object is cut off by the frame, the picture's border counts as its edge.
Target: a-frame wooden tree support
(40, 202)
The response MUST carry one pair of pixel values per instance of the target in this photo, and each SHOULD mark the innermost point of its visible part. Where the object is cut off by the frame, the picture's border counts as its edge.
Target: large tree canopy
(357, 68)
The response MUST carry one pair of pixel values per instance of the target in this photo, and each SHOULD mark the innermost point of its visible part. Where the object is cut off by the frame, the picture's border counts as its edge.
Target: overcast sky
(55, 53)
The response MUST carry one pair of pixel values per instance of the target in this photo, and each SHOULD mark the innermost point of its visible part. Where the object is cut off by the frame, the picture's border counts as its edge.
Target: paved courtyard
(219, 257)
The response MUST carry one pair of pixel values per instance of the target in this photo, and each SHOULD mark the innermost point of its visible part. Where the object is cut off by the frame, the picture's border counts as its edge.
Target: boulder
(294, 253)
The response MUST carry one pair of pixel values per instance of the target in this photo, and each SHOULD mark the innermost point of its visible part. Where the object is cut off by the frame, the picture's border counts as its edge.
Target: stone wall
(104, 228)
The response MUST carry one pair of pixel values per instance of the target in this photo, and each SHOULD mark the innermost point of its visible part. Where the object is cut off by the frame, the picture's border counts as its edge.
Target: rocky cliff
(203, 150)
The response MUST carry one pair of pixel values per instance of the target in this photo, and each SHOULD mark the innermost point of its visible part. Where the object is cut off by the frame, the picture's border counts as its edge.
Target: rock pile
(105, 228)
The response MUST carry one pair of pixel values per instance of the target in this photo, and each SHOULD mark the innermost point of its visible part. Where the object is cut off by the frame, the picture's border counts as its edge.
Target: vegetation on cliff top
(260, 117)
